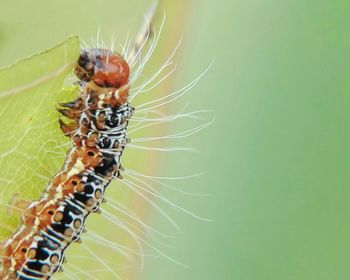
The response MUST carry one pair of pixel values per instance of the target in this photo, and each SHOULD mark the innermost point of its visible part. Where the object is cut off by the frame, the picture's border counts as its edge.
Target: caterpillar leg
(67, 129)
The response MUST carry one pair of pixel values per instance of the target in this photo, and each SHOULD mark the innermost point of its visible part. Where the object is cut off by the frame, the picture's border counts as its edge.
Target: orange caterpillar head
(104, 68)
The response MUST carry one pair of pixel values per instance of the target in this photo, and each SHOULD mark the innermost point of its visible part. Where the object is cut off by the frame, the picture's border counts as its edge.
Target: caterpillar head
(102, 67)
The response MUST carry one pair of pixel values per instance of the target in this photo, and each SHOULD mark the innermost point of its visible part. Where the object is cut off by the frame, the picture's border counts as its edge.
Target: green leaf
(30, 137)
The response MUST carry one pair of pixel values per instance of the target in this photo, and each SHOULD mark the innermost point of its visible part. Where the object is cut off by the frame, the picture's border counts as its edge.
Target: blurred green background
(276, 158)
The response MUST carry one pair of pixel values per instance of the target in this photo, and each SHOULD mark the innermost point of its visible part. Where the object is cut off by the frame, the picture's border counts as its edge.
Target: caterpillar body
(98, 131)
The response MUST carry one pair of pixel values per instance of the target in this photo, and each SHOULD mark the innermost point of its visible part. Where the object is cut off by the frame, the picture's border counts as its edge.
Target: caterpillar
(98, 131)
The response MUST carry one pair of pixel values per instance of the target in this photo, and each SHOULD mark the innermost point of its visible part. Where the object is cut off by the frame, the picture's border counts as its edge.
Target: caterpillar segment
(97, 127)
